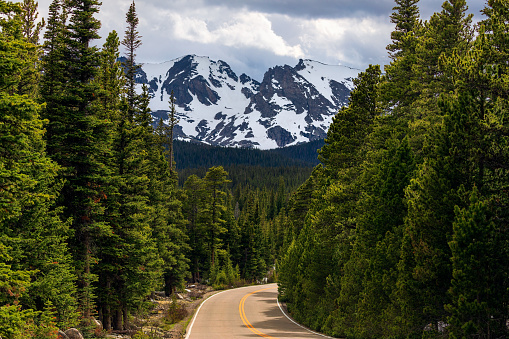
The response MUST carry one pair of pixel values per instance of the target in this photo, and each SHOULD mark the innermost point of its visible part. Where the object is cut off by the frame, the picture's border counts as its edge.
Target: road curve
(248, 312)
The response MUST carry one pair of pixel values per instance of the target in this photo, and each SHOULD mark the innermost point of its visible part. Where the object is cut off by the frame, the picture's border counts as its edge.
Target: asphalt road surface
(248, 312)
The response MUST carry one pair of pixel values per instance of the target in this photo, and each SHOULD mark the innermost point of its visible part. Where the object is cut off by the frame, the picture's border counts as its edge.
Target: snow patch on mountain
(292, 104)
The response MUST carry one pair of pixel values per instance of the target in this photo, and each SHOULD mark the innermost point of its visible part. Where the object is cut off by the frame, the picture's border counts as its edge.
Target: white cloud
(350, 40)
(246, 29)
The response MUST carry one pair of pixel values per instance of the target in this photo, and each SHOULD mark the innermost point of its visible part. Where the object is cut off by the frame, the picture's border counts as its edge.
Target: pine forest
(397, 227)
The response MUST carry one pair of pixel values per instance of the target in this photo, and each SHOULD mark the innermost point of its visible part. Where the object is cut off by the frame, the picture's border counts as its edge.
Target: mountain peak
(292, 105)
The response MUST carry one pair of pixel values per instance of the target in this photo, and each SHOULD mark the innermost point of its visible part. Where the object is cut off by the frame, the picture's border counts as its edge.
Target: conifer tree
(405, 17)
(169, 229)
(131, 41)
(134, 213)
(479, 285)
(352, 124)
(215, 183)
(193, 211)
(110, 84)
(447, 32)
(31, 29)
(496, 33)
(77, 137)
(442, 182)
(172, 123)
(376, 249)
(399, 74)
(252, 263)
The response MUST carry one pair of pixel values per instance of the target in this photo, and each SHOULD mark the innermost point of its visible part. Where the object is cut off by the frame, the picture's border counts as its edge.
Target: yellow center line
(244, 318)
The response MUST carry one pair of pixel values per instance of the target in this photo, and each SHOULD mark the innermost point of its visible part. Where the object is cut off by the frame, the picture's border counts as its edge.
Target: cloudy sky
(253, 35)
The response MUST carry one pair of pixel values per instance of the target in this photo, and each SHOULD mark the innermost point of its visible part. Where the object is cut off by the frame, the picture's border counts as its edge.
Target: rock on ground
(62, 335)
(73, 333)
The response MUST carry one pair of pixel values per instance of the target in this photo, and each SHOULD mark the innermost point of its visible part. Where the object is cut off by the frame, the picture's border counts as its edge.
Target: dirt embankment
(169, 316)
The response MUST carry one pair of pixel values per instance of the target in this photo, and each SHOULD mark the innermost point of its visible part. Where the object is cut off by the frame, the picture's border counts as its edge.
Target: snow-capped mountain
(290, 106)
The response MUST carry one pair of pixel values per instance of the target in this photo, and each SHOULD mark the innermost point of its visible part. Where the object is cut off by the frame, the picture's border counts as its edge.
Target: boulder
(73, 333)
(62, 335)
(98, 325)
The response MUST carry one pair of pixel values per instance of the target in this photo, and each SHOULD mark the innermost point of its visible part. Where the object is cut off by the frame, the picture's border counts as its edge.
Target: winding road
(248, 312)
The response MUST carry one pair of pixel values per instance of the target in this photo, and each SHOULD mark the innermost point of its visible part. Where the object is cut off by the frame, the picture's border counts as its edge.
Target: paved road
(249, 312)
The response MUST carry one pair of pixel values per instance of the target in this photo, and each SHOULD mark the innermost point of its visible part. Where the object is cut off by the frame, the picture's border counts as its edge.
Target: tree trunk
(168, 285)
(118, 320)
(126, 317)
(107, 309)
(86, 279)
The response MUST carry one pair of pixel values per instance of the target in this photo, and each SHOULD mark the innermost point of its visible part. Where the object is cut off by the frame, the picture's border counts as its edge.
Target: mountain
(290, 106)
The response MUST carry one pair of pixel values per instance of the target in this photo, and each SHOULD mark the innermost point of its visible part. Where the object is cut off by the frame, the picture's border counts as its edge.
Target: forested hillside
(249, 167)
(403, 233)
(196, 155)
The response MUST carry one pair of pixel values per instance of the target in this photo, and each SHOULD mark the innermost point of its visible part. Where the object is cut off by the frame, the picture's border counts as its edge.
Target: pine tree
(135, 212)
(215, 181)
(169, 229)
(131, 41)
(442, 182)
(479, 285)
(110, 78)
(31, 29)
(109, 81)
(252, 264)
(172, 123)
(193, 211)
(446, 33)
(397, 89)
(376, 250)
(352, 124)
(405, 17)
(29, 76)
(77, 136)
(496, 33)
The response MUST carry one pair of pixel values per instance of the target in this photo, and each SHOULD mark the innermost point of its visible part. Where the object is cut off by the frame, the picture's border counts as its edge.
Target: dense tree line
(256, 177)
(197, 155)
(403, 232)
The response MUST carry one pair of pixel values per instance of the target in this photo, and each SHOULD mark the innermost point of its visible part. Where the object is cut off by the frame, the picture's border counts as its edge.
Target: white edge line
(190, 327)
(188, 332)
(296, 323)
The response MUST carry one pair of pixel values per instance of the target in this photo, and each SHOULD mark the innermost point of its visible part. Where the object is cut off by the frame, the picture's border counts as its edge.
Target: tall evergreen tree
(479, 285)
(352, 124)
(136, 259)
(31, 29)
(447, 32)
(172, 123)
(405, 17)
(215, 183)
(397, 90)
(169, 227)
(77, 137)
(192, 207)
(110, 84)
(131, 41)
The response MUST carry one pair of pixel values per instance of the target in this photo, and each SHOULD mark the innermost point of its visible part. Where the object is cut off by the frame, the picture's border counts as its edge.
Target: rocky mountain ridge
(291, 105)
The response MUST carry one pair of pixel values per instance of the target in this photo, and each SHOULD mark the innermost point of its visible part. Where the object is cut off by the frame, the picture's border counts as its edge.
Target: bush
(176, 312)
